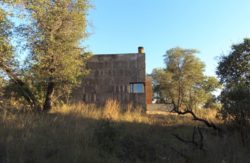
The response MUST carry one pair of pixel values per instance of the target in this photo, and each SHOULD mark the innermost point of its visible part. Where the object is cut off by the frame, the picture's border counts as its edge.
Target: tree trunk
(26, 92)
(49, 94)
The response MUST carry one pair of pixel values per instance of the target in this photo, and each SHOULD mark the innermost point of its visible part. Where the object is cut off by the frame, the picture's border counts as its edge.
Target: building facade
(120, 77)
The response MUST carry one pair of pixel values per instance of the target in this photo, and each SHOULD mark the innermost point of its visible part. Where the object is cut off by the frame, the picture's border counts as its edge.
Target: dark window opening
(136, 87)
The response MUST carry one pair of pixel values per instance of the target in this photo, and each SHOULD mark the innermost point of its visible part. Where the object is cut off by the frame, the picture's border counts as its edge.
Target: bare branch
(195, 118)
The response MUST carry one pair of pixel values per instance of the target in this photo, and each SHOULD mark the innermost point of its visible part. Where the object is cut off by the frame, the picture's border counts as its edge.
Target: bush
(234, 73)
(236, 104)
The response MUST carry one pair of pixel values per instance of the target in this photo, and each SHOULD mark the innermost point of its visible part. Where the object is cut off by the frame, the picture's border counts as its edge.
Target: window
(136, 87)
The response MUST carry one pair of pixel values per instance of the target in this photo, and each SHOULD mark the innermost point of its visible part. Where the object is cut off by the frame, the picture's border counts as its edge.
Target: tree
(183, 83)
(56, 52)
(57, 59)
(7, 62)
(234, 73)
(158, 78)
(210, 85)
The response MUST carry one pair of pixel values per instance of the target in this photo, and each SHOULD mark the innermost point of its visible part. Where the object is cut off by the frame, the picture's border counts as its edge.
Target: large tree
(234, 73)
(53, 34)
(183, 83)
(7, 61)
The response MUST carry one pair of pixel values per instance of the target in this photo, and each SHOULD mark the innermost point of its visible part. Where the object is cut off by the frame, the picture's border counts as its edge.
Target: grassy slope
(85, 134)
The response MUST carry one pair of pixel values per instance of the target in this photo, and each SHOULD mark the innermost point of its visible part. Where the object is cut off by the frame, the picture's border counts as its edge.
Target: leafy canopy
(6, 53)
(53, 34)
(234, 73)
(183, 83)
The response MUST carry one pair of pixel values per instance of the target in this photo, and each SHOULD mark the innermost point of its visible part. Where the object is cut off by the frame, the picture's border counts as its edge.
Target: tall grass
(111, 111)
(85, 133)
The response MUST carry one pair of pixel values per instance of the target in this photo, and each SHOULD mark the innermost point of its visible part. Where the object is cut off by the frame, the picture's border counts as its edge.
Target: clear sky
(210, 26)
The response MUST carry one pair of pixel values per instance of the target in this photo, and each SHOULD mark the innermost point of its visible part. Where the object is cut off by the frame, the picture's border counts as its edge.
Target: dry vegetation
(84, 133)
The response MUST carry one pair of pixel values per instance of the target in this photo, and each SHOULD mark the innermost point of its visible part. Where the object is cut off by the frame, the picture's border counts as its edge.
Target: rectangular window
(136, 87)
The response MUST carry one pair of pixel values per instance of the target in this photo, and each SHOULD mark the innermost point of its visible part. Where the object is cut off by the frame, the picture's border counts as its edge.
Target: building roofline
(114, 54)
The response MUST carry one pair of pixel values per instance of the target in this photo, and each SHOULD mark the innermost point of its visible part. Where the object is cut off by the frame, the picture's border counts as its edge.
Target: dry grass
(84, 133)
(110, 111)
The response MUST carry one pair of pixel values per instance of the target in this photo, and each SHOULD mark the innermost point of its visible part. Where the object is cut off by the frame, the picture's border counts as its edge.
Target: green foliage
(158, 79)
(57, 59)
(183, 83)
(7, 62)
(6, 55)
(213, 103)
(234, 69)
(234, 73)
(53, 35)
(209, 85)
(55, 42)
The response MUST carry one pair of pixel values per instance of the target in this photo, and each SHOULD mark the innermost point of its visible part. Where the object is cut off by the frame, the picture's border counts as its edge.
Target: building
(120, 77)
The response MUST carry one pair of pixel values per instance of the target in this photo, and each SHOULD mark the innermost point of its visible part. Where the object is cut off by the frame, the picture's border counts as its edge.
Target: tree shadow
(39, 137)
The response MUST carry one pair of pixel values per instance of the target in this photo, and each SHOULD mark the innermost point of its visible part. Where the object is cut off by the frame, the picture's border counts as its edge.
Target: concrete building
(120, 77)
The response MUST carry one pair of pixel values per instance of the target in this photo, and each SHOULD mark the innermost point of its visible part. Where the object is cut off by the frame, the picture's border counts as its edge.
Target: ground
(84, 133)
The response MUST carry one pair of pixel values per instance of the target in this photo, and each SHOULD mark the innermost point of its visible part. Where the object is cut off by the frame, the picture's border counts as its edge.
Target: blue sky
(210, 26)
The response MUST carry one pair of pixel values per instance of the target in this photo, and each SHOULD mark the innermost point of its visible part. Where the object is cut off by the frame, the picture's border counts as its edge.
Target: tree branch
(195, 118)
(27, 94)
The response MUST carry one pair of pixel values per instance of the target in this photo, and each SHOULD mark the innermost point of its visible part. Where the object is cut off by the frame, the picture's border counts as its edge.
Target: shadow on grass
(33, 137)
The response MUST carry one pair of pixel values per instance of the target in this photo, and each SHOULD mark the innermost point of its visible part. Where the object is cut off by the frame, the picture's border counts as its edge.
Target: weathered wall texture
(111, 77)
(149, 90)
